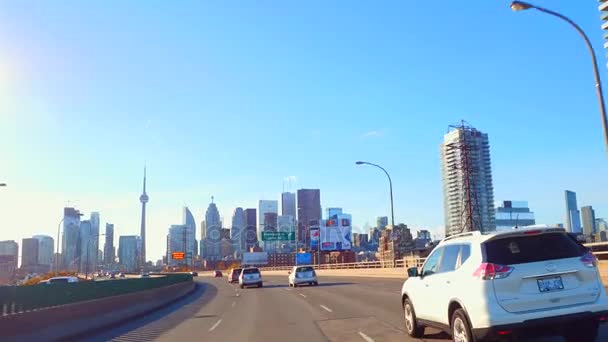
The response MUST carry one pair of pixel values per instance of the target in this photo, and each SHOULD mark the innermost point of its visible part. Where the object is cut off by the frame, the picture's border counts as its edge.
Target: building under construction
(468, 193)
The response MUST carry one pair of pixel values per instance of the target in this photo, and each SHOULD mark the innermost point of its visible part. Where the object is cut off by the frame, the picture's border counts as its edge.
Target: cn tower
(143, 199)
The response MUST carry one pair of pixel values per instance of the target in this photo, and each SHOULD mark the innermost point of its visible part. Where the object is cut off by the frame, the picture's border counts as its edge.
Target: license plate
(550, 284)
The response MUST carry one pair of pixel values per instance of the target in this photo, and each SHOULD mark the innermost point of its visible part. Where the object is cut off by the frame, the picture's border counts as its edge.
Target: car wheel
(295, 285)
(260, 285)
(582, 332)
(461, 329)
(411, 326)
(315, 283)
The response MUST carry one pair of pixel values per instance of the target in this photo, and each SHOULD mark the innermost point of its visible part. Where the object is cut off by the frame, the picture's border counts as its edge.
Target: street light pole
(522, 6)
(57, 254)
(390, 184)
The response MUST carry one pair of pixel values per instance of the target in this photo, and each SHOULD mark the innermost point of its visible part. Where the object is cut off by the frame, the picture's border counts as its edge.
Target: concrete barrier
(70, 320)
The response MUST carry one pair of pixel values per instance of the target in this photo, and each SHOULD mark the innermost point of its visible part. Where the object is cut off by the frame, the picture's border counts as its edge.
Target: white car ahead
(250, 276)
(302, 275)
(506, 285)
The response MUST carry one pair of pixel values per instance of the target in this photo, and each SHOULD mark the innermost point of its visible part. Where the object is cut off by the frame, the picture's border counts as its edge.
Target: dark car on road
(218, 274)
(234, 275)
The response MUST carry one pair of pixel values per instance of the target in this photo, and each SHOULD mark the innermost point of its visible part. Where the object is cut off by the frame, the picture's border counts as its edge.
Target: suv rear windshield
(531, 248)
(236, 270)
(251, 271)
(305, 269)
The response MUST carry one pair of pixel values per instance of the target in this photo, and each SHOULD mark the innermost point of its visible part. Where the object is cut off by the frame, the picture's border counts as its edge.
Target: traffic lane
(359, 309)
(356, 296)
(256, 314)
(151, 326)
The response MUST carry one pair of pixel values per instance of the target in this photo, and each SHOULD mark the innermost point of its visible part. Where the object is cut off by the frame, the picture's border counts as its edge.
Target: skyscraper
(70, 245)
(9, 254)
(84, 259)
(288, 204)
(573, 218)
(512, 214)
(177, 239)
(381, 222)
(309, 213)
(108, 247)
(270, 225)
(237, 231)
(213, 236)
(46, 248)
(251, 237)
(93, 243)
(142, 234)
(588, 215)
(29, 252)
(265, 206)
(468, 194)
(128, 252)
(190, 223)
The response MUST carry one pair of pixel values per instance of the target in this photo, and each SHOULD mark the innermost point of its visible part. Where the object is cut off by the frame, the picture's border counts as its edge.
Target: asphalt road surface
(339, 309)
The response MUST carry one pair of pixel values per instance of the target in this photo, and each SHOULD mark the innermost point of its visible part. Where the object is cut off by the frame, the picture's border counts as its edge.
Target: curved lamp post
(522, 6)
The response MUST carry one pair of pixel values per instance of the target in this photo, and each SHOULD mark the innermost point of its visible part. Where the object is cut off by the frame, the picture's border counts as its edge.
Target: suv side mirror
(412, 272)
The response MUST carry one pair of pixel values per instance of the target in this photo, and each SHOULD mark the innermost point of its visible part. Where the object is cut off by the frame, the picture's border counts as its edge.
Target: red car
(218, 274)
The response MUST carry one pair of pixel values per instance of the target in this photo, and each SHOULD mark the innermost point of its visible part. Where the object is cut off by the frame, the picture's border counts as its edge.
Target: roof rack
(459, 235)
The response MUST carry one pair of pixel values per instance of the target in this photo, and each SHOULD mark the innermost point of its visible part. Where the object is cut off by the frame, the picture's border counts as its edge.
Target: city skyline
(319, 117)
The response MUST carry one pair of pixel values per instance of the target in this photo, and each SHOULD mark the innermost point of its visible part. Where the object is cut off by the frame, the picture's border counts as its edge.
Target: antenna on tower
(211, 198)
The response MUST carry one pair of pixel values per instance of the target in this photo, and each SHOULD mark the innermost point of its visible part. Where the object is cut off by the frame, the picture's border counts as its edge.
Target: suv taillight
(487, 271)
(589, 260)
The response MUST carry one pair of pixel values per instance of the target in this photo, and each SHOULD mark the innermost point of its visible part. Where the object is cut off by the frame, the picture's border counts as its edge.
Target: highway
(339, 309)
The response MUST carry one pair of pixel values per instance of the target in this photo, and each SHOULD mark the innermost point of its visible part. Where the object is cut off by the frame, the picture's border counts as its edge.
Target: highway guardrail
(18, 299)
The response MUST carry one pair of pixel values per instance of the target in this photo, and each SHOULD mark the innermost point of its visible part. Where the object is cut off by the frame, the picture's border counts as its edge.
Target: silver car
(250, 276)
(302, 275)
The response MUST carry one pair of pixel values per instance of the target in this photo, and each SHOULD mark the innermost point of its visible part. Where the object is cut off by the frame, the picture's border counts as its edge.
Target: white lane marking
(233, 304)
(326, 308)
(215, 325)
(365, 337)
(303, 295)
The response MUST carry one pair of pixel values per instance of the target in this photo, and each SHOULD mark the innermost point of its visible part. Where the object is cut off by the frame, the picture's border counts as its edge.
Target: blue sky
(229, 98)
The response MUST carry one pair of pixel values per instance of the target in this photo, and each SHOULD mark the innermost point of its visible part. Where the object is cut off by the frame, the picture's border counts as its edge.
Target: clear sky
(230, 98)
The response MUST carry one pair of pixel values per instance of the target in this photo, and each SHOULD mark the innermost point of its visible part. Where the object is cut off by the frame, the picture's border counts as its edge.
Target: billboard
(255, 258)
(314, 238)
(336, 233)
(303, 258)
(178, 255)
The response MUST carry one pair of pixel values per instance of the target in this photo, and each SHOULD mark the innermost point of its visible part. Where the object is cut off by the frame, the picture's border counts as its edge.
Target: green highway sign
(278, 236)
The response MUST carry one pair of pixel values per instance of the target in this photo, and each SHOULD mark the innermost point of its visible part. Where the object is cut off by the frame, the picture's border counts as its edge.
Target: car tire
(460, 326)
(295, 285)
(260, 285)
(316, 283)
(586, 332)
(411, 325)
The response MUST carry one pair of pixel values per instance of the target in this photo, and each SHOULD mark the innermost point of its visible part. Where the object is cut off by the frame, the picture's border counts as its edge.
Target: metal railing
(400, 263)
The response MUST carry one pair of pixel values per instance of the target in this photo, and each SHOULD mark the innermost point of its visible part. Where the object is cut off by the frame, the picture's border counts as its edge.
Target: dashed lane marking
(215, 325)
(365, 337)
(326, 308)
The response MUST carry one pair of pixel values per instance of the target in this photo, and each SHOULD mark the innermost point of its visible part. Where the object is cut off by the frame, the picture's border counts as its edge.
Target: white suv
(505, 285)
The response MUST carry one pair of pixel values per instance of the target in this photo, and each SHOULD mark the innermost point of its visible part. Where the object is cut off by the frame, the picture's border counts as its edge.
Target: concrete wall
(68, 321)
